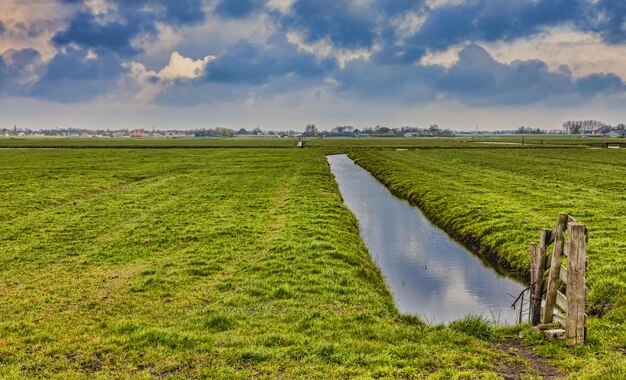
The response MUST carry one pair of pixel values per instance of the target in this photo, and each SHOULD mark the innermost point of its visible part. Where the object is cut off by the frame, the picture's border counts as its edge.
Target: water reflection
(428, 273)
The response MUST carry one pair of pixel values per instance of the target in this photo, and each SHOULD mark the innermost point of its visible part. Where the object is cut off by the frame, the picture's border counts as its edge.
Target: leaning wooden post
(534, 268)
(537, 290)
(555, 268)
(576, 290)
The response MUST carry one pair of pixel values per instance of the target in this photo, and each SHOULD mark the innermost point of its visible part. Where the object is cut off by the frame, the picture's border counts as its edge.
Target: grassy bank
(497, 200)
(228, 263)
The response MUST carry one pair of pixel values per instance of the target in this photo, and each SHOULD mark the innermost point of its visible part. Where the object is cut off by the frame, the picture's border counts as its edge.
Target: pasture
(244, 262)
(227, 263)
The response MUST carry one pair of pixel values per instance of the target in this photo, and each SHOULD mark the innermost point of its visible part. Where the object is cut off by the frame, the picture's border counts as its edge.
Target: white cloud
(408, 23)
(434, 4)
(32, 23)
(324, 48)
(151, 83)
(282, 6)
(584, 53)
(184, 68)
(445, 58)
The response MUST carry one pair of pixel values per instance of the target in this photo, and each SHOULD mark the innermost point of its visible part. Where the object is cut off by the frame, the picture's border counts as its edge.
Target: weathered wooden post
(576, 289)
(555, 268)
(537, 290)
(534, 268)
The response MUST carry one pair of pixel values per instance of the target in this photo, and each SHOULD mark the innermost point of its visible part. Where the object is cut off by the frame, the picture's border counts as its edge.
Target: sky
(282, 64)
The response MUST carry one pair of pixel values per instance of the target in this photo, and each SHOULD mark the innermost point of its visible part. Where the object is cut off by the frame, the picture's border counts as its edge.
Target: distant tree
(575, 127)
(434, 130)
(310, 130)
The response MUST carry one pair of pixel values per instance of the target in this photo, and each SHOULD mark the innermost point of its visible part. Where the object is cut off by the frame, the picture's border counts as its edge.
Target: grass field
(239, 263)
(147, 143)
(187, 263)
(330, 145)
(497, 200)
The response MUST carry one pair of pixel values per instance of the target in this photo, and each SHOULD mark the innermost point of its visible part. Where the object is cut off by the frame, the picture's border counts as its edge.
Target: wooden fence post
(576, 290)
(534, 269)
(555, 268)
(537, 290)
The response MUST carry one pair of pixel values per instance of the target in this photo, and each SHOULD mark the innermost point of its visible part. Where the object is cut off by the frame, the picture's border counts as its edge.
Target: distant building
(242, 132)
(138, 133)
(615, 133)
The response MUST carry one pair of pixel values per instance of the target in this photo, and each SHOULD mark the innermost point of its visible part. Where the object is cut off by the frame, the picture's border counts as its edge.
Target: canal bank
(428, 273)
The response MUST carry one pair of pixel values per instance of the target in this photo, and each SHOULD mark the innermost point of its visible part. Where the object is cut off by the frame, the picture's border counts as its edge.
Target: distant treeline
(576, 127)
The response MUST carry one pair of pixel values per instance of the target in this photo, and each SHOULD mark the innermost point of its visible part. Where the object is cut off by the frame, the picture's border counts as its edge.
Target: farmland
(243, 262)
(187, 263)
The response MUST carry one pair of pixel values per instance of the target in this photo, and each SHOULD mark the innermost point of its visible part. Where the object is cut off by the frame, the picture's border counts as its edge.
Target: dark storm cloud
(340, 22)
(2, 27)
(14, 64)
(72, 76)
(86, 31)
(476, 79)
(244, 62)
(606, 17)
(135, 17)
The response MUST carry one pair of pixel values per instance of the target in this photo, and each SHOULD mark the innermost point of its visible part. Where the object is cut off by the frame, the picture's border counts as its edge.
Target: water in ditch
(429, 273)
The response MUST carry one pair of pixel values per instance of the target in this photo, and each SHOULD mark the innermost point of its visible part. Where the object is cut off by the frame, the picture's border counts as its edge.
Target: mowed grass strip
(497, 200)
(229, 263)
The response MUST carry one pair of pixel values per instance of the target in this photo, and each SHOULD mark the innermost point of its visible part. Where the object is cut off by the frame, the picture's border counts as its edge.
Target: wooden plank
(560, 319)
(554, 334)
(576, 289)
(563, 274)
(551, 236)
(561, 301)
(570, 219)
(537, 294)
(555, 267)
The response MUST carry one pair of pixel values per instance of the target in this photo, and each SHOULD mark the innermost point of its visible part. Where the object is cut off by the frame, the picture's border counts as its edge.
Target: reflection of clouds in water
(428, 273)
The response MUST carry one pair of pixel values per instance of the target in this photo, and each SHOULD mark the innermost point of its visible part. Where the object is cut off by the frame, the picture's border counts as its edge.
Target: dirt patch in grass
(522, 362)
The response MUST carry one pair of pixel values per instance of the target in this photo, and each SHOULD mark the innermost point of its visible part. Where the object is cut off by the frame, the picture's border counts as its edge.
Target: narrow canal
(428, 273)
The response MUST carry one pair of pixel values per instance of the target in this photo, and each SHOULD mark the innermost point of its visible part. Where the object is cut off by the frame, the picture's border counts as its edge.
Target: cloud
(86, 31)
(255, 64)
(344, 24)
(18, 69)
(74, 75)
(476, 79)
(115, 24)
(605, 17)
(477, 52)
(152, 83)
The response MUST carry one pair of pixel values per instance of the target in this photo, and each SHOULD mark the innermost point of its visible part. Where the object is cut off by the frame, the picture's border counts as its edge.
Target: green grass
(330, 144)
(223, 263)
(497, 200)
(148, 143)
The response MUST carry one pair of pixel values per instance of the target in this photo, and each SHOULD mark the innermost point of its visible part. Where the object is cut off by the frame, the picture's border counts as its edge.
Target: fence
(558, 293)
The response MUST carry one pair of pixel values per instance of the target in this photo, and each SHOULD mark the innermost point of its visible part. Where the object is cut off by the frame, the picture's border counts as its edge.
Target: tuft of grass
(221, 323)
(474, 325)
